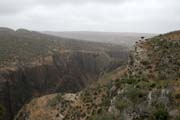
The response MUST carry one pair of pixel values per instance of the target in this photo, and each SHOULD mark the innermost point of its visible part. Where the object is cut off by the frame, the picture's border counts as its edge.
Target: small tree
(160, 112)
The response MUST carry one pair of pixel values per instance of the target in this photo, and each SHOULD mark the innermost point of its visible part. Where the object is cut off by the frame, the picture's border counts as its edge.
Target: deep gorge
(62, 72)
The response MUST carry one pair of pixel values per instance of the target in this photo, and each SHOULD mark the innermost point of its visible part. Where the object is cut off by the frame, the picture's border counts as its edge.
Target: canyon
(35, 64)
(147, 88)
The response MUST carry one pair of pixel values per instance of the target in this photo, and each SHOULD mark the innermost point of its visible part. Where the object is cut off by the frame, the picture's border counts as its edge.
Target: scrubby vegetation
(104, 116)
(160, 112)
(33, 64)
(147, 89)
(56, 100)
(121, 103)
(21, 47)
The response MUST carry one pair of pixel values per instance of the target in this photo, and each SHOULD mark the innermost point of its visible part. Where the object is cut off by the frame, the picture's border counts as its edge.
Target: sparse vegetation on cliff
(148, 89)
(33, 64)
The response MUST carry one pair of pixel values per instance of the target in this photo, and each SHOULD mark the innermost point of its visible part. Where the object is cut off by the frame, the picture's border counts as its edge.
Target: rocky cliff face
(34, 64)
(69, 71)
(156, 59)
(147, 89)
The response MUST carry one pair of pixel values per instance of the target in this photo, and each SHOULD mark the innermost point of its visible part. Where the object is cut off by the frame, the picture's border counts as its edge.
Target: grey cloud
(82, 1)
(97, 15)
(6, 9)
(14, 6)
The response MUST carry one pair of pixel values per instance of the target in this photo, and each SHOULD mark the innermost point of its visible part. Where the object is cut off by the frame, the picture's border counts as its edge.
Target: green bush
(56, 100)
(106, 101)
(146, 85)
(104, 116)
(134, 94)
(153, 85)
(121, 103)
(130, 80)
(160, 113)
(145, 62)
(177, 118)
(177, 96)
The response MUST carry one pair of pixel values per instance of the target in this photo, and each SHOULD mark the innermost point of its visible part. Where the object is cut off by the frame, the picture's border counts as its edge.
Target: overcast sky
(150, 16)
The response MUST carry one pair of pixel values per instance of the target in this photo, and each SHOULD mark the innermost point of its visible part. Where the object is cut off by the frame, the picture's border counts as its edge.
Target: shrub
(106, 101)
(153, 85)
(177, 96)
(145, 62)
(134, 94)
(57, 99)
(160, 113)
(177, 118)
(121, 103)
(104, 116)
(146, 85)
(130, 80)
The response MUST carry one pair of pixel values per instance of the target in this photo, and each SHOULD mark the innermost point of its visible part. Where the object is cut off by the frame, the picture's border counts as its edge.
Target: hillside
(147, 89)
(23, 46)
(33, 64)
(126, 39)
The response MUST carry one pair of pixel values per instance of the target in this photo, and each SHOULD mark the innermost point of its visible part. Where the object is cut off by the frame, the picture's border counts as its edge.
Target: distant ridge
(5, 29)
(120, 38)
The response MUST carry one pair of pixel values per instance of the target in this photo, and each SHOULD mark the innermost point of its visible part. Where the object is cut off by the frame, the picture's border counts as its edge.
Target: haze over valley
(120, 38)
